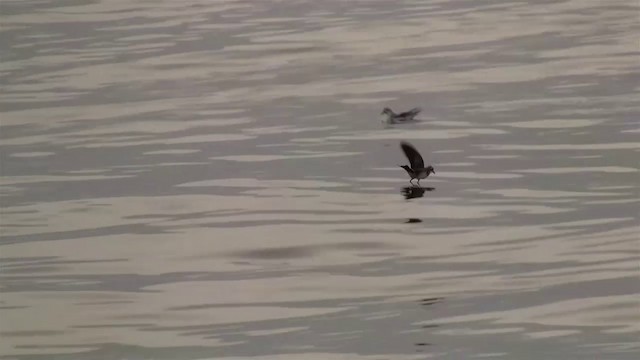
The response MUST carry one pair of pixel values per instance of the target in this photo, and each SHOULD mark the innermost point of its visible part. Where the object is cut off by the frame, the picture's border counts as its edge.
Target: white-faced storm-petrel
(417, 169)
(393, 118)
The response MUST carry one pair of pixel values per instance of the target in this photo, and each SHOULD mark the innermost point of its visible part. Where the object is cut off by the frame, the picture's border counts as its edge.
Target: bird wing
(413, 155)
(411, 113)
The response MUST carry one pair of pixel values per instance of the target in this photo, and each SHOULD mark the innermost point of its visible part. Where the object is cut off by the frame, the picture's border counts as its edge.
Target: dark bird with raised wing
(393, 118)
(417, 169)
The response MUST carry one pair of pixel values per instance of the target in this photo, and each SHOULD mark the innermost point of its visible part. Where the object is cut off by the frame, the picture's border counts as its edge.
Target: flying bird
(393, 118)
(417, 169)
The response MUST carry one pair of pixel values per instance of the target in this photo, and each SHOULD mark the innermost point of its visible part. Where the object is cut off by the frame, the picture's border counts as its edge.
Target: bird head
(430, 170)
(387, 111)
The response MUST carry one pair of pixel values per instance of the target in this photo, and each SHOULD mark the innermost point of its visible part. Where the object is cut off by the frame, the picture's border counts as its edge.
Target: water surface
(210, 179)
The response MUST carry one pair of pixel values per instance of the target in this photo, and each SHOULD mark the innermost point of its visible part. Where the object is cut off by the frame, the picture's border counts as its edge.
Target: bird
(393, 118)
(417, 169)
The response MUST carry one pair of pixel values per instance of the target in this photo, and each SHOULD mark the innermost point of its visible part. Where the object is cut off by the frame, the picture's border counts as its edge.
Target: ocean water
(211, 180)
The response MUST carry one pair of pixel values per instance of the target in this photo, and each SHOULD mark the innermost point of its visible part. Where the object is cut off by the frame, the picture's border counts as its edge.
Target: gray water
(211, 179)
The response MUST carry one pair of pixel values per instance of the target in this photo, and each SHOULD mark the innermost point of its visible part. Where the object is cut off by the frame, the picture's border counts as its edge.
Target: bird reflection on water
(420, 346)
(413, 192)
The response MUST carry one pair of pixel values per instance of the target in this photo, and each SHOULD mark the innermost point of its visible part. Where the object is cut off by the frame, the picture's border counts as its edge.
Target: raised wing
(413, 155)
(411, 113)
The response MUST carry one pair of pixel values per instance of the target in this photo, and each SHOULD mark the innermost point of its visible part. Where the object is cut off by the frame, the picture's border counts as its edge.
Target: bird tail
(407, 169)
(413, 112)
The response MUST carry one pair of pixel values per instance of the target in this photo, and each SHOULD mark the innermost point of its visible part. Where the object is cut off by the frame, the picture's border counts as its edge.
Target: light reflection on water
(188, 180)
